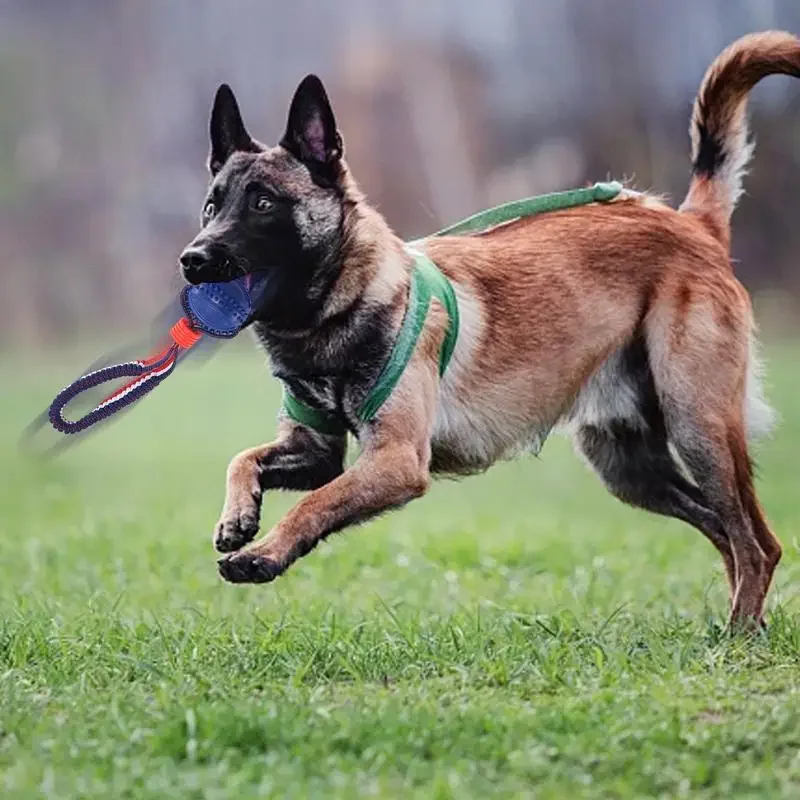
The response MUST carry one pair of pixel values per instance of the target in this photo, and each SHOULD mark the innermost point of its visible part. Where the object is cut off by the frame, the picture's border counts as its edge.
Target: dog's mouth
(222, 273)
(200, 265)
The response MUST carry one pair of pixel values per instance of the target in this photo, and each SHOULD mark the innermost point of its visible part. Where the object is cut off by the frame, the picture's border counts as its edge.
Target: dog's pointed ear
(311, 134)
(228, 134)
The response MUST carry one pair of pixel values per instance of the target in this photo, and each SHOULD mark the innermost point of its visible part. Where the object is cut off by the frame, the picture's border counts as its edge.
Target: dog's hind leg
(716, 455)
(766, 538)
(636, 467)
(699, 351)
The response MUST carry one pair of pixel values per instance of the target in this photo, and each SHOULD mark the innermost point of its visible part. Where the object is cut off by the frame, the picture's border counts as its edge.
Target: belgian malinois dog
(621, 322)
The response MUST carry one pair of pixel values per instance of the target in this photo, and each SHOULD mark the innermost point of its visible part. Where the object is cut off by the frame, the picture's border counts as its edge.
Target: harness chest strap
(427, 281)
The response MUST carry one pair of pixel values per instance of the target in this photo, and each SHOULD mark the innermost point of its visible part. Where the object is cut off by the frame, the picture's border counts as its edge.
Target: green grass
(516, 634)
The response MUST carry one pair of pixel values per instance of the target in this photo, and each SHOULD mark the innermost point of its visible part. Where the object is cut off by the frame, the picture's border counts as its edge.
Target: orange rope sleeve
(183, 334)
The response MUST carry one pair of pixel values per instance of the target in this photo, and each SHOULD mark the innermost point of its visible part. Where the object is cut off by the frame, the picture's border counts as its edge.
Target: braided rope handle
(146, 374)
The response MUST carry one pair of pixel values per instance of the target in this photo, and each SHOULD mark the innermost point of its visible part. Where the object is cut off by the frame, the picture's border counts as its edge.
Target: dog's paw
(238, 525)
(249, 568)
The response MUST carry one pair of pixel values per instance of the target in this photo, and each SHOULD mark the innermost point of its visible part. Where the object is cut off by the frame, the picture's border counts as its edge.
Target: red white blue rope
(146, 374)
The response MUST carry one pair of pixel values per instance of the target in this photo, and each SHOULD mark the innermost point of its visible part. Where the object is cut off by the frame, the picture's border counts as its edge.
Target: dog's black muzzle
(206, 262)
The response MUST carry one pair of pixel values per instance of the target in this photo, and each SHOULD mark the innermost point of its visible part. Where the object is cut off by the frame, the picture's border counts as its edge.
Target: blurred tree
(445, 107)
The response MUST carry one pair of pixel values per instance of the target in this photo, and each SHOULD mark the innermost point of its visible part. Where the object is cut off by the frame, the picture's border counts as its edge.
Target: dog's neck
(367, 265)
(354, 321)
(375, 265)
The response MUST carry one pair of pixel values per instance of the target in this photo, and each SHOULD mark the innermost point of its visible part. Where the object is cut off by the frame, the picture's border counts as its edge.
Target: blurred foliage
(445, 107)
(15, 113)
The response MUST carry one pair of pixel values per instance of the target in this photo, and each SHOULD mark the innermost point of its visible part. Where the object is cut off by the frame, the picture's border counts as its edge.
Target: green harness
(427, 282)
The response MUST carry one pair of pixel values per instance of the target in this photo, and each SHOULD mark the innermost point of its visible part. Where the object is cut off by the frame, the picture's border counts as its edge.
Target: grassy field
(516, 634)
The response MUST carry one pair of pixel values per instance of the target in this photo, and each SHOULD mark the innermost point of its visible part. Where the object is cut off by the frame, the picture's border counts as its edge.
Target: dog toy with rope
(219, 310)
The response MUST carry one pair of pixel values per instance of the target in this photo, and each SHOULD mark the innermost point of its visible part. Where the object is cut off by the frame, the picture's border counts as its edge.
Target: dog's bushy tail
(721, 147)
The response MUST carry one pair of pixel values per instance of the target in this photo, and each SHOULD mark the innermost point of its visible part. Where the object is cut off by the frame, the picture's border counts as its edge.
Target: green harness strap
(427, 282)
(530, 206)
(317, 418)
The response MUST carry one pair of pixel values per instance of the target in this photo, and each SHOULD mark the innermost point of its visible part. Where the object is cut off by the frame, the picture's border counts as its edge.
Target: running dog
(621, 322)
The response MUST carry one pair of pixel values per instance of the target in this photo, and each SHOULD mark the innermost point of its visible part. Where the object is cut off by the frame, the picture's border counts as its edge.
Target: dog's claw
(248, 568)
(235, 531)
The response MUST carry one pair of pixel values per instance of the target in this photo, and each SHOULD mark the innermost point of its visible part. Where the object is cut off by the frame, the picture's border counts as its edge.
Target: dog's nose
(193, 259)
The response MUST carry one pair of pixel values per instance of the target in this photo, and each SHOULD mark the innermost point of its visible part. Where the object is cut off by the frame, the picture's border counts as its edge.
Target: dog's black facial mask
(277, 211)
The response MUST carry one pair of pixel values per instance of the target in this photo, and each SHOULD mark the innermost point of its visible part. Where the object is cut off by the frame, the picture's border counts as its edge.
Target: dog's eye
(261, 203)
(209, 210)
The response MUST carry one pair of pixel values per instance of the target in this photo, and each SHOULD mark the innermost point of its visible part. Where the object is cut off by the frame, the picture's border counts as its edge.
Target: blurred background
(445, 106)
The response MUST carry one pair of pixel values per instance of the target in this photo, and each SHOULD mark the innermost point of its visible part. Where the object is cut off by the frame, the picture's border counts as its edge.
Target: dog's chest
(471, 436)
(461, 441)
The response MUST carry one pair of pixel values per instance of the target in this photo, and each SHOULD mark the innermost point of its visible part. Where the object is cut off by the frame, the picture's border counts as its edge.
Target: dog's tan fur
(549, 308)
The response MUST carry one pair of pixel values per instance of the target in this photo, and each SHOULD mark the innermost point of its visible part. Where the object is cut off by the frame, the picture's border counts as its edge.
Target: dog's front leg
(379, 480)
(392, 469)
(299, 459)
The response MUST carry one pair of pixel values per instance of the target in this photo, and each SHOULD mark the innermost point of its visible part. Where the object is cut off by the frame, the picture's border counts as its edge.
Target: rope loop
(146, 374)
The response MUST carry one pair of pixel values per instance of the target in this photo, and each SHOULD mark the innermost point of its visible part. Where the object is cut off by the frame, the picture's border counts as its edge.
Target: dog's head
(274, 210)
